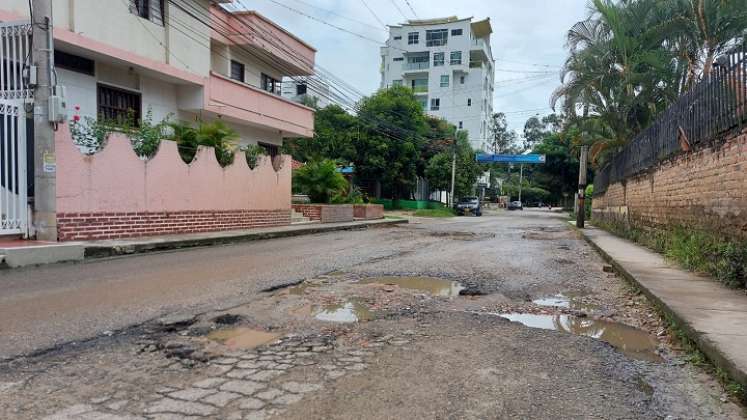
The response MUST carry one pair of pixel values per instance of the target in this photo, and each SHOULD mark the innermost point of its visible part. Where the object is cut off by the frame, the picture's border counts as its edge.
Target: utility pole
(581, 211)
(45, 182)
(521, 180)
(453, 173)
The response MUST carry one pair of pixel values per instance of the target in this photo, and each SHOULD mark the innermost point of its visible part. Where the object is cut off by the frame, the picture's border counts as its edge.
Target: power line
(373, 13)
(398, 9)
(379, 28)
(412, 9)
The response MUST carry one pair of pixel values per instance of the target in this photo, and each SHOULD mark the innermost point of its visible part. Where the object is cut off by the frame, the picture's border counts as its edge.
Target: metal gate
(15, 45)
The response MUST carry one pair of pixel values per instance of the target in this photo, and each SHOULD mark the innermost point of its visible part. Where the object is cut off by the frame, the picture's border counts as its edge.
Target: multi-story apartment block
(449, 66)
(187, 59)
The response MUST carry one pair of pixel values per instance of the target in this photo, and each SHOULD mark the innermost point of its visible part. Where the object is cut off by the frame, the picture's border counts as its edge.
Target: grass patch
(695, 250)
(443, 212)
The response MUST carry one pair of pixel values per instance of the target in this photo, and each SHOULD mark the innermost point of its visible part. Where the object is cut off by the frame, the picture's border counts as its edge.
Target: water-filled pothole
(241, 337)
(630, 341)
(565, 300)
(345, 312)
(432, 285)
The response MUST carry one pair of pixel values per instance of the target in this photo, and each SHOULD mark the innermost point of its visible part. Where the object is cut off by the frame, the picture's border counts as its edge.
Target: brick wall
(93, 226)
(705, 188)
(368, 211)
(312, 211)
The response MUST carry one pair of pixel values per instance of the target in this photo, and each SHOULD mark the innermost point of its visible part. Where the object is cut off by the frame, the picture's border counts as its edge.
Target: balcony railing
(420, 89)
(418, 66)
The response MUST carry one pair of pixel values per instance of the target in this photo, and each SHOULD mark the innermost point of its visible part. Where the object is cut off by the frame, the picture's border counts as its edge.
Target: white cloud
(525, 32)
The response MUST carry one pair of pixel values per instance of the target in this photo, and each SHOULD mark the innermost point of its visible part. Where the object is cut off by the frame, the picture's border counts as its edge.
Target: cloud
(529, 35)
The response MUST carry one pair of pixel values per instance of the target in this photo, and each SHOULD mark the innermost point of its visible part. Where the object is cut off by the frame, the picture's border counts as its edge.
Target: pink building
(189, 61)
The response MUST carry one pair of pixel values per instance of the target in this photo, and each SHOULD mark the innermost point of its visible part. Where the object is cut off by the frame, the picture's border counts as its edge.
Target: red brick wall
(368, 211)
(705, 188)
(92, 226)
(312, 211)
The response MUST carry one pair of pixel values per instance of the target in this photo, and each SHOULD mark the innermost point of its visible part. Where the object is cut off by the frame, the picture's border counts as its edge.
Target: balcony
(248, 105)
(420, 90)
(418, 67)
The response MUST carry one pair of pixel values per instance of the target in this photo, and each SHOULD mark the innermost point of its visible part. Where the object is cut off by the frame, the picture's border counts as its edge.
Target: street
(412, 321)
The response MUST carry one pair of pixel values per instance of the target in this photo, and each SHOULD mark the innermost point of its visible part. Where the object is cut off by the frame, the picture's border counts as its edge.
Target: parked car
(468, 205)
(515, 205)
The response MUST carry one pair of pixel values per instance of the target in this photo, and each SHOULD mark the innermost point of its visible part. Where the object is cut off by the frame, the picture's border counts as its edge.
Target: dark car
(515, 205)
(468, 205)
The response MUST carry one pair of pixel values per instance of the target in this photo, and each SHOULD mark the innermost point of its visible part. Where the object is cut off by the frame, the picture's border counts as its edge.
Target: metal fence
(713, 107)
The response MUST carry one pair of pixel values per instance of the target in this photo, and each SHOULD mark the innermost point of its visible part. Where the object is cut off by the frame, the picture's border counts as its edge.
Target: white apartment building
(449, 66)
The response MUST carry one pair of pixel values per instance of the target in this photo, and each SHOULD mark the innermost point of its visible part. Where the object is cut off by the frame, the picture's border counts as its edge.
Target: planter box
(326, 213)
(368, 211)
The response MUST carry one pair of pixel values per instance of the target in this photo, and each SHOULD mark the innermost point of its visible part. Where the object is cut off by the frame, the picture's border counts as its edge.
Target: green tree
(335, 134)
(438, 170)
(502, 140)
(319, 180)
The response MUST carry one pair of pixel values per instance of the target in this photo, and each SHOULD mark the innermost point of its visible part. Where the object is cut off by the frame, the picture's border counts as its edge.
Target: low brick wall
(368, 211)
(705, 188)
(326, 213)
(94, 226)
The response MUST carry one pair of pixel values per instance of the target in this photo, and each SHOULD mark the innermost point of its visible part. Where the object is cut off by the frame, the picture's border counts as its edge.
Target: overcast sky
(528, 38)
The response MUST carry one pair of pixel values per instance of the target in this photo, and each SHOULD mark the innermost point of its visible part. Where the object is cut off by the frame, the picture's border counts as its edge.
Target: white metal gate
(15, 45)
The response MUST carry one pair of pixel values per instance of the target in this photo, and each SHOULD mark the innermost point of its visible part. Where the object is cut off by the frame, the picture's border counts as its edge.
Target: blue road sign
(530, 159)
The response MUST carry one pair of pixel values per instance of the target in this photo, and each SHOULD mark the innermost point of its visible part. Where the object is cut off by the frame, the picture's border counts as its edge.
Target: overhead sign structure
(529, 159)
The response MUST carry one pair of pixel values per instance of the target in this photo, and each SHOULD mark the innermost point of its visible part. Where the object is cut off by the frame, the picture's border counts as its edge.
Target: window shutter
(156, 11)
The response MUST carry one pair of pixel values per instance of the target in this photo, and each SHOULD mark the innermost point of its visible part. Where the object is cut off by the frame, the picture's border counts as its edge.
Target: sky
(528, 40)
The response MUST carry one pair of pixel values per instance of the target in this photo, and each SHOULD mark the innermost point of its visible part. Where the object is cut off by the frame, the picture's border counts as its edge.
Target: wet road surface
(400, 322)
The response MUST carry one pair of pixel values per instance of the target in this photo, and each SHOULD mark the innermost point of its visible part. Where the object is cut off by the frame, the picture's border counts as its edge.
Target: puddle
(347, 312)
(432, 285)
(632, 342)
(300, 290)
(241, 337)
(565, 301)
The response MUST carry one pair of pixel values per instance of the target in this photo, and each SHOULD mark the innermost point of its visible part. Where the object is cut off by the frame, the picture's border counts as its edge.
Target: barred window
(151, 10)
(119, 105)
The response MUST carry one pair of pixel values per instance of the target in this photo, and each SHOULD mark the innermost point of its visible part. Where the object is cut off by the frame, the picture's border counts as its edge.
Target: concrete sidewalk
(34, 253)
(712, 315)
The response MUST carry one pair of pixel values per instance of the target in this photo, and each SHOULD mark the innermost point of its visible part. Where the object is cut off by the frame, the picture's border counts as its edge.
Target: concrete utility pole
(581, 211)
(45, 164)
(453, 174)
(521, 180)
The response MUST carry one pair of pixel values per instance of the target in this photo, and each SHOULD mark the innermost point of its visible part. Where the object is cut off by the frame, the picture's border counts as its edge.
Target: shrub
(213, 134)
(186, 140)
(253, 153)
(319, 180)
(147, 137)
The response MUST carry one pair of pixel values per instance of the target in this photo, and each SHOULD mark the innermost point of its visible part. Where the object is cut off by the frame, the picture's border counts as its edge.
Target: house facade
(192, 61)
(448, 63)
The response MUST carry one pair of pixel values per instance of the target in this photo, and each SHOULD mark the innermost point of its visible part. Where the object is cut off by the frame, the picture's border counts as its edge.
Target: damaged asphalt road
(401, 322)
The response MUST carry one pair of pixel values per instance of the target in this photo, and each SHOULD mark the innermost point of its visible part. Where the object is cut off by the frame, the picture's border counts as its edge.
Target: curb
(711, 351)
(105, 251)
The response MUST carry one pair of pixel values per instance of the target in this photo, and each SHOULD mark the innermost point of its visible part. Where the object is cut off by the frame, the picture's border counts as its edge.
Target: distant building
(301, 89)
(448, 63)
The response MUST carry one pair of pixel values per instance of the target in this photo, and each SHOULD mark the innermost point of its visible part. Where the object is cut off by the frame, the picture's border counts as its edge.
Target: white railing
(13, 192)
(15, 46)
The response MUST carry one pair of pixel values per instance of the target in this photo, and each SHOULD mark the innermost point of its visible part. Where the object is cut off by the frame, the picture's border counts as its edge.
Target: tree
(335, 134)
(534, 132)
(438, 169)
(319, 180)
(502, 140)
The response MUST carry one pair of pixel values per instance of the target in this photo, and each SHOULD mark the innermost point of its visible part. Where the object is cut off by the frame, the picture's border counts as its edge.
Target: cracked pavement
(377, 328)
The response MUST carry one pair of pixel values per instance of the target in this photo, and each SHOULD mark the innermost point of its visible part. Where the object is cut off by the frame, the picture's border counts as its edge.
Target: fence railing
(15, 43)
(716, 105)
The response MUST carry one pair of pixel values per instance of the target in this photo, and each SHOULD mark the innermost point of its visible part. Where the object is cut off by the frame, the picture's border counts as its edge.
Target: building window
(413, 38)
(423, 102)
(436, 37)
(118, 105)
(270, 85)
(445, 81)
(398, 58)
(237, 71)
(397, 38)
(419, 85)
(469, 102)
(461, 125)
(435, 104)
(456, 32)
(301, 89)
(456, 58)
(461, 79)
(397, 82)
(74, 63)
(438, 59)
(151, 10)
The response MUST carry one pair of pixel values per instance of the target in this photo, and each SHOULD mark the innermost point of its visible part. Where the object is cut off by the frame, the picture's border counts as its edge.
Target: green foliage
(696, 250)
(438, 169)
(352, 196)
(214, 134)
(442, 212)
(146, 137)
(319, 180)
(335, 133)
(253, 153)
(89, 133)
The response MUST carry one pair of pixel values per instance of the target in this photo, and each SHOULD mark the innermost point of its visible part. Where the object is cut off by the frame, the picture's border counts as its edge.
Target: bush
(253, 153)
(319, 180)
(213, 134)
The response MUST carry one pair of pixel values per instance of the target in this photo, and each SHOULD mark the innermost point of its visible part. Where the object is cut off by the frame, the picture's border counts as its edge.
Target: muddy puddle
(241, 337)
(565, 300)
(432, 285)
(632, 342)
(346, 312)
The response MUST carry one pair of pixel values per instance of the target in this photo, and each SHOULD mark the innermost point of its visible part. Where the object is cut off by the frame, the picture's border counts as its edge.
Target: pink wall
(117, 180)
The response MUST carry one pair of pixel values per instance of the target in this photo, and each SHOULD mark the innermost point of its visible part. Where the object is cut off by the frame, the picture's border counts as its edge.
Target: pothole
(241, 337)
(345, 312)
(632, 342)
(432, 285)
(227, 319)
(565, 300)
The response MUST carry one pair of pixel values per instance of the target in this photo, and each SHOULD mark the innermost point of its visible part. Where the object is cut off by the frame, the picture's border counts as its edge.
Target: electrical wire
(373, 13)
(412, 9)
(394, 3)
